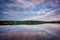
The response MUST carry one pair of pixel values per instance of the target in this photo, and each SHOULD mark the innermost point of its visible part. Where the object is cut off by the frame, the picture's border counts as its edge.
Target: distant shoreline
(26, 22)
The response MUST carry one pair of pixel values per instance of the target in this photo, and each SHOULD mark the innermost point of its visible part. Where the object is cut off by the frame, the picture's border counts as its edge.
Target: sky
(42, 10)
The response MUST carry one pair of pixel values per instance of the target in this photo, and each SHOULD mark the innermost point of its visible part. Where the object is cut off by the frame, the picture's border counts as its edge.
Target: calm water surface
(43, 31)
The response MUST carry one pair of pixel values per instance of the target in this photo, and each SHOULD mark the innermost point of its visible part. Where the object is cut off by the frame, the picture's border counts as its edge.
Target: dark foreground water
(30, 32)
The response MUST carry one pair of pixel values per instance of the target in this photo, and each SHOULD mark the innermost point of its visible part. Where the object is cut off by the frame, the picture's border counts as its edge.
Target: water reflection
(42, 31)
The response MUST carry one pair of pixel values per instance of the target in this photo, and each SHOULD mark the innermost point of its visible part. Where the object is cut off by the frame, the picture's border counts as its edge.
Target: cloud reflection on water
(44, 30)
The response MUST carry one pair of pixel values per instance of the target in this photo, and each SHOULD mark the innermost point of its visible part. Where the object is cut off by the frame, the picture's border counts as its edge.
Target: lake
(30, 32)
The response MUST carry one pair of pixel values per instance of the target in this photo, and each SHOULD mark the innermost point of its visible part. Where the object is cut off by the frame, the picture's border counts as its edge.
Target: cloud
(29, 10)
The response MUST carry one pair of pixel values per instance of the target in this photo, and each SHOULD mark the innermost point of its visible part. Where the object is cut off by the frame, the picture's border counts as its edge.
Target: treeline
(25, 22)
